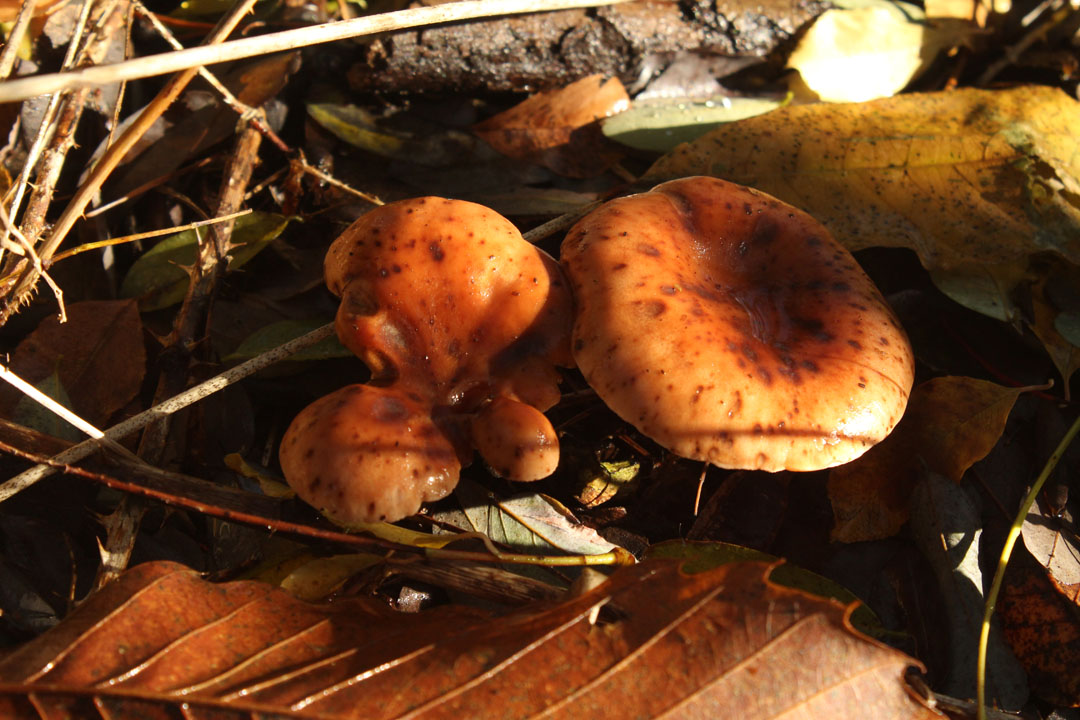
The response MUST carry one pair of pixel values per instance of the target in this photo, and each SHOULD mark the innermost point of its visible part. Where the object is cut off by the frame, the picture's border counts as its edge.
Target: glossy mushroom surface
(731, 327)
(365, 453)
(447, 293)
(461, 322)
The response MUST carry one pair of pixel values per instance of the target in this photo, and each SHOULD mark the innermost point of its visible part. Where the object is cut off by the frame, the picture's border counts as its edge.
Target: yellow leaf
(950, 423)
(974, 181)
(857, 54)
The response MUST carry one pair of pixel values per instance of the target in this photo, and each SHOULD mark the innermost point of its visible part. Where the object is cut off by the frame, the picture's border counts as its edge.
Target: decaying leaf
(664, 645)
(1040, 615)
(974, 181)
(950, 423)
(558, 128)
(97, 355)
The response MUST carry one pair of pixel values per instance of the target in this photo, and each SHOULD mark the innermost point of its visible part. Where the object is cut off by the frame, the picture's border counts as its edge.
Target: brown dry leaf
(974, 181)
(665, 645)
(558, 129)
(98, 354)
(950, 423)
(1040, 616)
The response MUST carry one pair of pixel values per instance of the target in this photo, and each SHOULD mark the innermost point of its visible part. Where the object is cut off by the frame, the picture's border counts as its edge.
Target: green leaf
(530, 523)
(158, 279)
(275, 334)
(659, 126)
(31, 414)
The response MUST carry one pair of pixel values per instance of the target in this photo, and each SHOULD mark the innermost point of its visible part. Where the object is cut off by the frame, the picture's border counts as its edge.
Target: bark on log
(533, 52)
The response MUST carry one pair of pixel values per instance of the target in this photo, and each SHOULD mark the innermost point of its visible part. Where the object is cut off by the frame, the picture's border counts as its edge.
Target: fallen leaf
(700, 556)
(660, 125)
(1041, 620)
(1058, 552)
(531, 523)
(1045, 324)
(870, 50)
(97, 355)
(317, 578)
(974, 181)
(946, 523)
(200, 121)
(271, 336)
(558, 128)
(28, 412)
(950, 423)
(161, 640)
(976, 11)
(158, 278)
(10, 8)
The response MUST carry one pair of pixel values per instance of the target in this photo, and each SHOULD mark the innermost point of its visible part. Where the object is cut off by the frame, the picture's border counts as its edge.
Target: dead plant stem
(15, 37)
(117, 432)
(164, 63)
(112, 157)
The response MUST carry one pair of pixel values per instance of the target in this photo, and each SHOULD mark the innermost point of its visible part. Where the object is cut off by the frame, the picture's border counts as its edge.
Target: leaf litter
(236, 648)
(1012, 190)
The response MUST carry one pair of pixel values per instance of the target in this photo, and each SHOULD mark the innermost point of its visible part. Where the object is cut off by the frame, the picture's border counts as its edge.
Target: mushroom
(461, 322)
(364, 453)
(732, 328)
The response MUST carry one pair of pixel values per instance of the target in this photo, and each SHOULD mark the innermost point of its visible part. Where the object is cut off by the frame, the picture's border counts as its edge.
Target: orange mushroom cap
(448, 293)
(731, 327)
(366, 453)
(461, 322)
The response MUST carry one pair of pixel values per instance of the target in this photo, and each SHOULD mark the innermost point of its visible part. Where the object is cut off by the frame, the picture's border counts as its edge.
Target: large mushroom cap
(450, 291)
(730, 327)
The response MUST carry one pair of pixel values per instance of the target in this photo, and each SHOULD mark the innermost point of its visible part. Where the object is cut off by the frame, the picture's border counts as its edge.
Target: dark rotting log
(631, 41)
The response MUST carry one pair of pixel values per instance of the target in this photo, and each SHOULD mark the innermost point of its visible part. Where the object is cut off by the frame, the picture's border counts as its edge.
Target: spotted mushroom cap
(448, 292)
(462, 323)
(731, 327)
(516, 440)
(366, 453)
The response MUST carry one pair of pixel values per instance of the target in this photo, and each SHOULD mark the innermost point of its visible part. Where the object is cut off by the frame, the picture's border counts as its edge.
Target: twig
(1003, 561)
(15, 37)
(116, 152)
(86, 247)
(1056, 12)
(253, 115)
(330, 180)
(62, 412)
(38, 146)
(78, 452)
(286, 40)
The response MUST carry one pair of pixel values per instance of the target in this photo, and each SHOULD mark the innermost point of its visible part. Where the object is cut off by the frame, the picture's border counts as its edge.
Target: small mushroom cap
(449, 291)
(366, 454)
(731, 327)
(516, 440)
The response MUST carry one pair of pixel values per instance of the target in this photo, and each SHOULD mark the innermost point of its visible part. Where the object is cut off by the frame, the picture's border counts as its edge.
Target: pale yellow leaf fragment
(858, 54)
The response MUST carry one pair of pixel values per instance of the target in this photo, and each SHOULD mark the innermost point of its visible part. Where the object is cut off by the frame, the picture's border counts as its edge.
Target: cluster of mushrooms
(724, 324)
